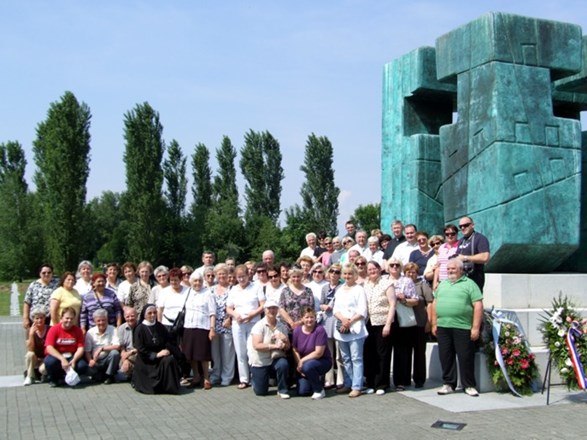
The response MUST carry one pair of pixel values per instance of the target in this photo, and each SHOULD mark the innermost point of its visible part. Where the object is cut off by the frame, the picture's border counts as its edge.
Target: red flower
(524, 364)
(510, 361)
(504, 351)
(516, 352)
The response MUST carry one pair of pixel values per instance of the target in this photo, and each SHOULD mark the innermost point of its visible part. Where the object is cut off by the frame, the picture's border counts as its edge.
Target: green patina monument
(511, 157)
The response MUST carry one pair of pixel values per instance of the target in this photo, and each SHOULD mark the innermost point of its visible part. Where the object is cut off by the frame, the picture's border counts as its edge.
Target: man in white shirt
(404, 249)
(102, 348)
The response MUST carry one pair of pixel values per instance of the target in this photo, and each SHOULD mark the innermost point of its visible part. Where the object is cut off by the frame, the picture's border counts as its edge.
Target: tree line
(150, 219)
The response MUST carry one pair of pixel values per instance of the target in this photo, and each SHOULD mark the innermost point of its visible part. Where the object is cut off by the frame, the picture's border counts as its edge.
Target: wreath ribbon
(498, 320)
(573, 332)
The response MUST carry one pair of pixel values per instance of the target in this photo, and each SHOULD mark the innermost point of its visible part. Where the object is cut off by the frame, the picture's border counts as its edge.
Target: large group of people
(353, 313)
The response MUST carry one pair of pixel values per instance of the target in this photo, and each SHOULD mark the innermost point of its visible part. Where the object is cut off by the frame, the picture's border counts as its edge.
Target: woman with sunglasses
(329, 321)
(445, 252)
(403, 337)
(347, 243)
(317, 283)
(435, 242)
(424, 252)
(361, 265)
(38, 296)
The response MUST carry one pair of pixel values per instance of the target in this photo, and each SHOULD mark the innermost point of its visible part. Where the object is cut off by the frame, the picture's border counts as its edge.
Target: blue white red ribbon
(575, 331)
(498, 319)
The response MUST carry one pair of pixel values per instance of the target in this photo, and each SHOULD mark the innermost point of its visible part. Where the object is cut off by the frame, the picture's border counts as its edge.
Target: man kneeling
(102, 348)
(267, 346)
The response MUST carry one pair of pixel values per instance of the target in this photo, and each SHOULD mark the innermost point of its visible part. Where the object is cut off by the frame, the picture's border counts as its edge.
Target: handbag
(178, 324)
(405, 315)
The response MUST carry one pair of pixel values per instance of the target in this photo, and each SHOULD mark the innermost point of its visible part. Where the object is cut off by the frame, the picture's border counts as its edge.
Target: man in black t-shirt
(473, 250)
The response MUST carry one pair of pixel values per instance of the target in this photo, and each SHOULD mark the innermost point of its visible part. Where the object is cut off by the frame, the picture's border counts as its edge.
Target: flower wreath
(563, 331)
(510, 362)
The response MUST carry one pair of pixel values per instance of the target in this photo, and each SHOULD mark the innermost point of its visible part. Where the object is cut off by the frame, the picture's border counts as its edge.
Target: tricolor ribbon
(574, 331)
(498, 320)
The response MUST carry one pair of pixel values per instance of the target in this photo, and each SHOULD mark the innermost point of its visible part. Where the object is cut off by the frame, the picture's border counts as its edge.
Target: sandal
(242, 385)
(207, 384)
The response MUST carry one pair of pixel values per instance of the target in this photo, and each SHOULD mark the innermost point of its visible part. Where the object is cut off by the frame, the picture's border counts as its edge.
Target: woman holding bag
(403, 329)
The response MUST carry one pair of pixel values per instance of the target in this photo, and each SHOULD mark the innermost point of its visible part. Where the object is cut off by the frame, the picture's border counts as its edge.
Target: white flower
(507, 334)
(557, 344)
(564, 370)
(561, 332)
(568, 362)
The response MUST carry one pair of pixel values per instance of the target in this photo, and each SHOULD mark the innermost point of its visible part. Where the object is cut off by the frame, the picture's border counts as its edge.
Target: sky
(215, 68)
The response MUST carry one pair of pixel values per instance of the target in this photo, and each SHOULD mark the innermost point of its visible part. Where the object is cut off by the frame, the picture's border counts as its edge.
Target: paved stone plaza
(117, 411)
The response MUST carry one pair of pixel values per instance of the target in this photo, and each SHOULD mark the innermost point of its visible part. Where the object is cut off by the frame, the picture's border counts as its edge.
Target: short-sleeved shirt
(221, 315)
(64, 341)
(263, 358)
(67, 298)
(475, 244)
(199, 307)
(245, 300)
(171, 302)
(39, 295)
(377, 300)
(306, 344)
(125, 336)
(454, 303)
(95, 340)
(295, 304)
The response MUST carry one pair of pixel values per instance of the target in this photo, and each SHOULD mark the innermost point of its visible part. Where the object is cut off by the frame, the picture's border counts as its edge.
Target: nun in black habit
(156, 369)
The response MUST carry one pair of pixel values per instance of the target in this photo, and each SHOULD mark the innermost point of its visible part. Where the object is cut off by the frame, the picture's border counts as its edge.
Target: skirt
(196, 344)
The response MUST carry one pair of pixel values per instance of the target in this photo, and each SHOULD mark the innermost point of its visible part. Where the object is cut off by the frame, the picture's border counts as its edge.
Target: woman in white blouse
(199, 328)
(245, 305)
(350, 310)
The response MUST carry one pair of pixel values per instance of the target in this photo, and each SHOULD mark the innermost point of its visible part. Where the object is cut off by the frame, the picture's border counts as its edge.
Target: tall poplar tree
(144, 180)
(61, 151)
(261, 167)
(224, 228)
(18, 242)
(202, 199)
(319, 192)
(174, 171)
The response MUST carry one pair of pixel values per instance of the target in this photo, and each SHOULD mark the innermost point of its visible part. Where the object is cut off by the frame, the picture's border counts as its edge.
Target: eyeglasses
(327, 242)
(450, 234)
(186, 274)
(360, 264)
(318, 271)
(261, 271)
(46, 273)
(394, 265)
(162, 275)
(272, 277)
(335, 272)
(436, 243)
(209, 275)
(464, 225)
(422, 240)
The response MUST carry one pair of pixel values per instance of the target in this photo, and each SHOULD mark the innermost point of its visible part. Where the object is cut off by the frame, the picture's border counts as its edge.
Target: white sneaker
(379, 392)
(283, 395)
(470, 391)
(445, 389)
(27, 381)
(318, 396)
(369, 391)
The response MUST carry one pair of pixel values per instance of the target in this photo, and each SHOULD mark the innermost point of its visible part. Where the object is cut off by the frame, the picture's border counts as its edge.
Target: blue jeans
(261, 376)
(108, 365)
(313, 371)
(352, 359)
(55, 371)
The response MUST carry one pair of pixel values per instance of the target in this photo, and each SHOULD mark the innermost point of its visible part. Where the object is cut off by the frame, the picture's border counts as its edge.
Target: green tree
(261, 167)
(367, 217)
(202, 199)
(319, 192)
(18, 245)
(224, 230)
(143, 203)
(293, 235)
(174, 171)
(107, 228)
(61, 151)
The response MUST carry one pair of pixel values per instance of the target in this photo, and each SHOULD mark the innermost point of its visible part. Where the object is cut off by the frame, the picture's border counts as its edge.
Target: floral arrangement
(519, 362)
(555, 326)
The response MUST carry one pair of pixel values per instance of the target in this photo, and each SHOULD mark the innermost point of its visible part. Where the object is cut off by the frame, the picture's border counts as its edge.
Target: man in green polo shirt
(457, 312)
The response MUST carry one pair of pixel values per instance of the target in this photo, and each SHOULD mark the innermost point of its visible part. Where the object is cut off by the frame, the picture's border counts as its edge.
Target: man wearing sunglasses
(473, 251)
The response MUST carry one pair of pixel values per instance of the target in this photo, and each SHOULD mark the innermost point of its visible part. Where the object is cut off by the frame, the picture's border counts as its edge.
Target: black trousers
(419, 356)
(403, 345)
(377, 357)
(455, 343)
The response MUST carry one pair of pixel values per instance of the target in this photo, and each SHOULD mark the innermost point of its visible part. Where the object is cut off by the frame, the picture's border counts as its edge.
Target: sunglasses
(436, 243)
(464, 225)
(261, 271)
(335, 272)
(394, 265)
(318, 271)
(272, 277)
(450, 234)
(186, 274)
(360, 264)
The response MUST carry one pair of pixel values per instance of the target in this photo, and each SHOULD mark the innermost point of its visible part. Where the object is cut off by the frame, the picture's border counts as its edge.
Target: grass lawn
(5, 296)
